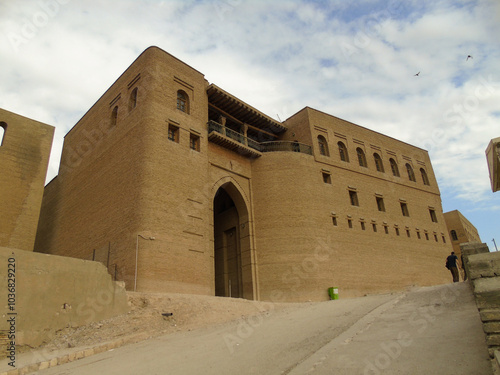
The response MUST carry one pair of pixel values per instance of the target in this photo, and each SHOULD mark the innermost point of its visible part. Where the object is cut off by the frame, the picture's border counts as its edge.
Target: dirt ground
(431, 330)
(145, 316)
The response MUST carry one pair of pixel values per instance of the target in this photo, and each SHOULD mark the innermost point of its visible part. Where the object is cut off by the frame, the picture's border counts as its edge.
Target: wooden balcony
(233, 140)
(237, 142)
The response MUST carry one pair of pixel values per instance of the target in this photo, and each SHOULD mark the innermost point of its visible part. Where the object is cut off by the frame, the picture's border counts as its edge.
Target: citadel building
(178, 186)
(25, 146)
(50, 292)
(461, 230)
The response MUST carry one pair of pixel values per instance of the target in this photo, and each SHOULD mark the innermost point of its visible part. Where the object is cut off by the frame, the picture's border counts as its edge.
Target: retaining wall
(43, 293)
(483, 269)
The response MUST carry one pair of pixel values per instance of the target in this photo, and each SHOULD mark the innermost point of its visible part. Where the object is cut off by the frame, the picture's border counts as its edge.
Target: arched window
(133, 99)
(425, 179)
(361, 157)
(3, 130)
(344, 156)
(378, 162)
(114, 116)
(411, 175)
(394, 167)
(323, 146)
(182, 101)
(454, 236)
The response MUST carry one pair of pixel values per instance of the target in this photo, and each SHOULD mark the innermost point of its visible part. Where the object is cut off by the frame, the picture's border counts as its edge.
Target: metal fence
(103, 255)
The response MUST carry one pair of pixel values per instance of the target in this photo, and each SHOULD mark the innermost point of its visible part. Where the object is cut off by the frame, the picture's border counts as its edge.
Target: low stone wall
(41, 293)
(471, 248)
(483, 270)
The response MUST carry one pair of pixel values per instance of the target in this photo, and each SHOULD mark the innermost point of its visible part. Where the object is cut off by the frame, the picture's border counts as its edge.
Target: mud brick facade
(49, 292)
(460, 230)
(484, 270)
(25, 146)
(178, 186)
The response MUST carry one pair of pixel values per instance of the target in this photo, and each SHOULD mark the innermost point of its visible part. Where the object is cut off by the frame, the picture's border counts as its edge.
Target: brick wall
(24, 156)
(484, 272)
(302, 203)
(121, 180)
(54, 292)
(124, 183)
(302, 252)
(463, 229)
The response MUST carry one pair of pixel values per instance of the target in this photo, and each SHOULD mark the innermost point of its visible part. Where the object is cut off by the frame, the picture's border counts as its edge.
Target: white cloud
(355, 60)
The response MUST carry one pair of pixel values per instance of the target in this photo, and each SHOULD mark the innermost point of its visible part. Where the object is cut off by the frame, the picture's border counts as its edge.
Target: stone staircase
(483, 270)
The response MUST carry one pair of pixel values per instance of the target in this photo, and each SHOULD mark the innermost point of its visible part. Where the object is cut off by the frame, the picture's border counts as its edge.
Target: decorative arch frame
(183, 103)
(453, 234)
(425, 178)
(379, 164)
(394, 167)
(132, 103)
(245, 232)
(411, 174)
(344, 155)
(323, 146)
(114, 116)
(361, 157)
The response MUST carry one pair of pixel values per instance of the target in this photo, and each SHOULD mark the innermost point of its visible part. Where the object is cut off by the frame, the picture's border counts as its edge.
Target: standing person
(451, 264)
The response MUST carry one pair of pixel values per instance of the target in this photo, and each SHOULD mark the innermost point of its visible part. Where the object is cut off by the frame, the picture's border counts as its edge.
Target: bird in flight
(468, 57)
(417, 74)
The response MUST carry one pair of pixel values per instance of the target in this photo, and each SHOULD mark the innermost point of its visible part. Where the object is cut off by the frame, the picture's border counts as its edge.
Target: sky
(356, 60)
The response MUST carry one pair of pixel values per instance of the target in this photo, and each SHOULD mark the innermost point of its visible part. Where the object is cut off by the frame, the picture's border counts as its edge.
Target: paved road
(432, 330)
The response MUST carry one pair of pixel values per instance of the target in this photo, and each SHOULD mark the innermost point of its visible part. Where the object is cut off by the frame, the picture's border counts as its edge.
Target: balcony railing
(258, 146)
(286, 146)
(233, 140)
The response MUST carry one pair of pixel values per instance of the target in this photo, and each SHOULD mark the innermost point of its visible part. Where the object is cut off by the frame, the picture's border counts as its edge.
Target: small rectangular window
(114, 116)
(418, 235)
(363, 225)
(349, 223)
(408, 233)
(353, 196)
(404, 209)
(334, 220)
(435, 237)
(327, 178)
(173, 133)
(374, 226)
(397, 231)
(444, 239)
(433, 215)
(386, 229)
(194, 142)
(380, 204)
(427, 236)
(3, 129)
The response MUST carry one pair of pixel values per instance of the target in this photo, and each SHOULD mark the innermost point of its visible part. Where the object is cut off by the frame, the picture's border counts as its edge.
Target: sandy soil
(145, 316)
(432, 330)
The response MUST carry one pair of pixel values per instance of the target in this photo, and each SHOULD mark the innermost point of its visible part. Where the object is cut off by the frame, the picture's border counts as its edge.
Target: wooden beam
(224, 113)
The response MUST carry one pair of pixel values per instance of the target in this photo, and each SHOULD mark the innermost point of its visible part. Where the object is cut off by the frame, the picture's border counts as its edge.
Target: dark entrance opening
(227, 247)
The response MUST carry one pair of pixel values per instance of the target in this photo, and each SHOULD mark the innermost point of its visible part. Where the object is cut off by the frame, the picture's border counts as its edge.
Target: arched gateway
(233, 255)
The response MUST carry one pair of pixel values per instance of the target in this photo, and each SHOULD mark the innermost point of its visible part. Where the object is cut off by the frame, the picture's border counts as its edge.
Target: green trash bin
(333, 292)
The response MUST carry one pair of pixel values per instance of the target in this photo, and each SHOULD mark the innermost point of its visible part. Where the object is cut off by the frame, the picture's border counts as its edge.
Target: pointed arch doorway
(233, 268)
